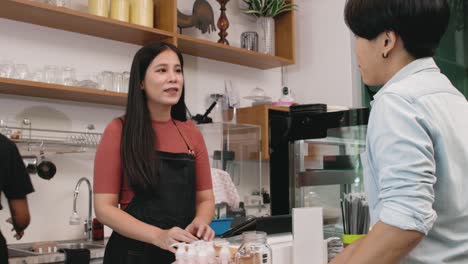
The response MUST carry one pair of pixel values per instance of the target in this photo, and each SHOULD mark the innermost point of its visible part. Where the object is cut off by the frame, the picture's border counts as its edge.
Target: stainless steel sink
(26, 250)
(79, 245)
(17, 253)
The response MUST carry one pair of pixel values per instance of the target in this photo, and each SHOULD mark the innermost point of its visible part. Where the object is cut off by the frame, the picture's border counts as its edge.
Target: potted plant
(266, 11)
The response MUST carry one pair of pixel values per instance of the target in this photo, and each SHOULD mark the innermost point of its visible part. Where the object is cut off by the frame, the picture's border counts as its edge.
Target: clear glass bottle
(254, 249)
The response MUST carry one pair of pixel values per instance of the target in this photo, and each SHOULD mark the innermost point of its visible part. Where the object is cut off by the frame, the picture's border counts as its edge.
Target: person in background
(416, 159)
(154, 163)
(16, 185)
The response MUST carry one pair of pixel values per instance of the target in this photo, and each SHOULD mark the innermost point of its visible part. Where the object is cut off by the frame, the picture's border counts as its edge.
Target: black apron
(174, 205)
(3, 250)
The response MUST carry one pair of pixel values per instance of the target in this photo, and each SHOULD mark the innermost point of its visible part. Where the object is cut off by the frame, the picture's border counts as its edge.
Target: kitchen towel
(224, 189)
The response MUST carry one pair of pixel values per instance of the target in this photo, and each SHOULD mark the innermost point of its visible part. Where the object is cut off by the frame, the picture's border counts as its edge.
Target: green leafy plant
(268, 8)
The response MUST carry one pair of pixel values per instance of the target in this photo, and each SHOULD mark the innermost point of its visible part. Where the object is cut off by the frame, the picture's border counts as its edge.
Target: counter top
(281, 245)
(96, 253)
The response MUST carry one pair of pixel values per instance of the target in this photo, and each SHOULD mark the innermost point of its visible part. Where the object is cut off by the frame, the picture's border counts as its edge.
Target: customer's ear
(388, 39)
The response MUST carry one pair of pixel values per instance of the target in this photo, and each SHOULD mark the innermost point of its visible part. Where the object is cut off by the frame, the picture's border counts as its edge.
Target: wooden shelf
(215, 51)
(42, 14)
(259, 115)
(80, 22)
(61, 92)
(74, 21)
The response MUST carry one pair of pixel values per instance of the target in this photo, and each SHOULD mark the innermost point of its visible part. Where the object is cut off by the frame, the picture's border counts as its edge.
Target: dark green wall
(452, 55)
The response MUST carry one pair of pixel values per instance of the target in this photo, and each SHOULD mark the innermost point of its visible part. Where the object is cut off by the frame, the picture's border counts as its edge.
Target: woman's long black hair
(139, 159)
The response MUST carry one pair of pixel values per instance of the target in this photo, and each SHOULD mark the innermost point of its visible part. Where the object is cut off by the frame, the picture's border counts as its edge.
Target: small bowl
(257, 94)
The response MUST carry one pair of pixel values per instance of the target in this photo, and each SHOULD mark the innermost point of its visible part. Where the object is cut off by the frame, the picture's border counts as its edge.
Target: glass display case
(323, 158)
(236, 149)
(325, 168)
(332, 162)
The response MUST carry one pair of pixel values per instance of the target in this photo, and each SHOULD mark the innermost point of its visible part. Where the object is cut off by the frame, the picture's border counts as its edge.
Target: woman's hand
(169, 237)
(200, 229)
(18, 234)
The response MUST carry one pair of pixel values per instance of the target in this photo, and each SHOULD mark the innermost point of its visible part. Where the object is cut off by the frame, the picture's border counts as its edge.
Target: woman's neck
(160, 112)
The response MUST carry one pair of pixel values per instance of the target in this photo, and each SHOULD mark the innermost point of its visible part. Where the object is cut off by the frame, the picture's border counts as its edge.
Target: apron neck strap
(190, 150)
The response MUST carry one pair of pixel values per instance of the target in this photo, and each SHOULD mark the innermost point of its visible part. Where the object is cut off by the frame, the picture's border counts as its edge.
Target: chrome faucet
(75, 217)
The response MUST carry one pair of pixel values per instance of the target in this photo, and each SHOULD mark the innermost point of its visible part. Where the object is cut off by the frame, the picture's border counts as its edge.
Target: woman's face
(370, 61)
(164, 79)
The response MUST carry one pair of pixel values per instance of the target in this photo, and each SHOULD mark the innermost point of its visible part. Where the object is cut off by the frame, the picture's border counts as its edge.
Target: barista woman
(154, 163)
(15, 184)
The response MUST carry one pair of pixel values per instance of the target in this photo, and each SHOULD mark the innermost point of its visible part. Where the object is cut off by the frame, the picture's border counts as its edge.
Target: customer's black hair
(139, 159)
(420, 23)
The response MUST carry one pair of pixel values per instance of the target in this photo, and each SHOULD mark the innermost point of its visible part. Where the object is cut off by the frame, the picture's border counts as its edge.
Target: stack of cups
(7, 69)
(113, 81)
(56, 75)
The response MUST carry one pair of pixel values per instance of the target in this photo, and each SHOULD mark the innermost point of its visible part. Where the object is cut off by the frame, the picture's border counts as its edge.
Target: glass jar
(254, 249)
(120, 10)
(98, 7)
(142, 12)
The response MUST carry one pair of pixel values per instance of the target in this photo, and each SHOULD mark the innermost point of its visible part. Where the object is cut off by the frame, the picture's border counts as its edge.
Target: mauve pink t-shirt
(108, 168)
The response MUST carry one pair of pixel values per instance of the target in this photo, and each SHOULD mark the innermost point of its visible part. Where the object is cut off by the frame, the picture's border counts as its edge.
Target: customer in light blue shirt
(416, 161)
